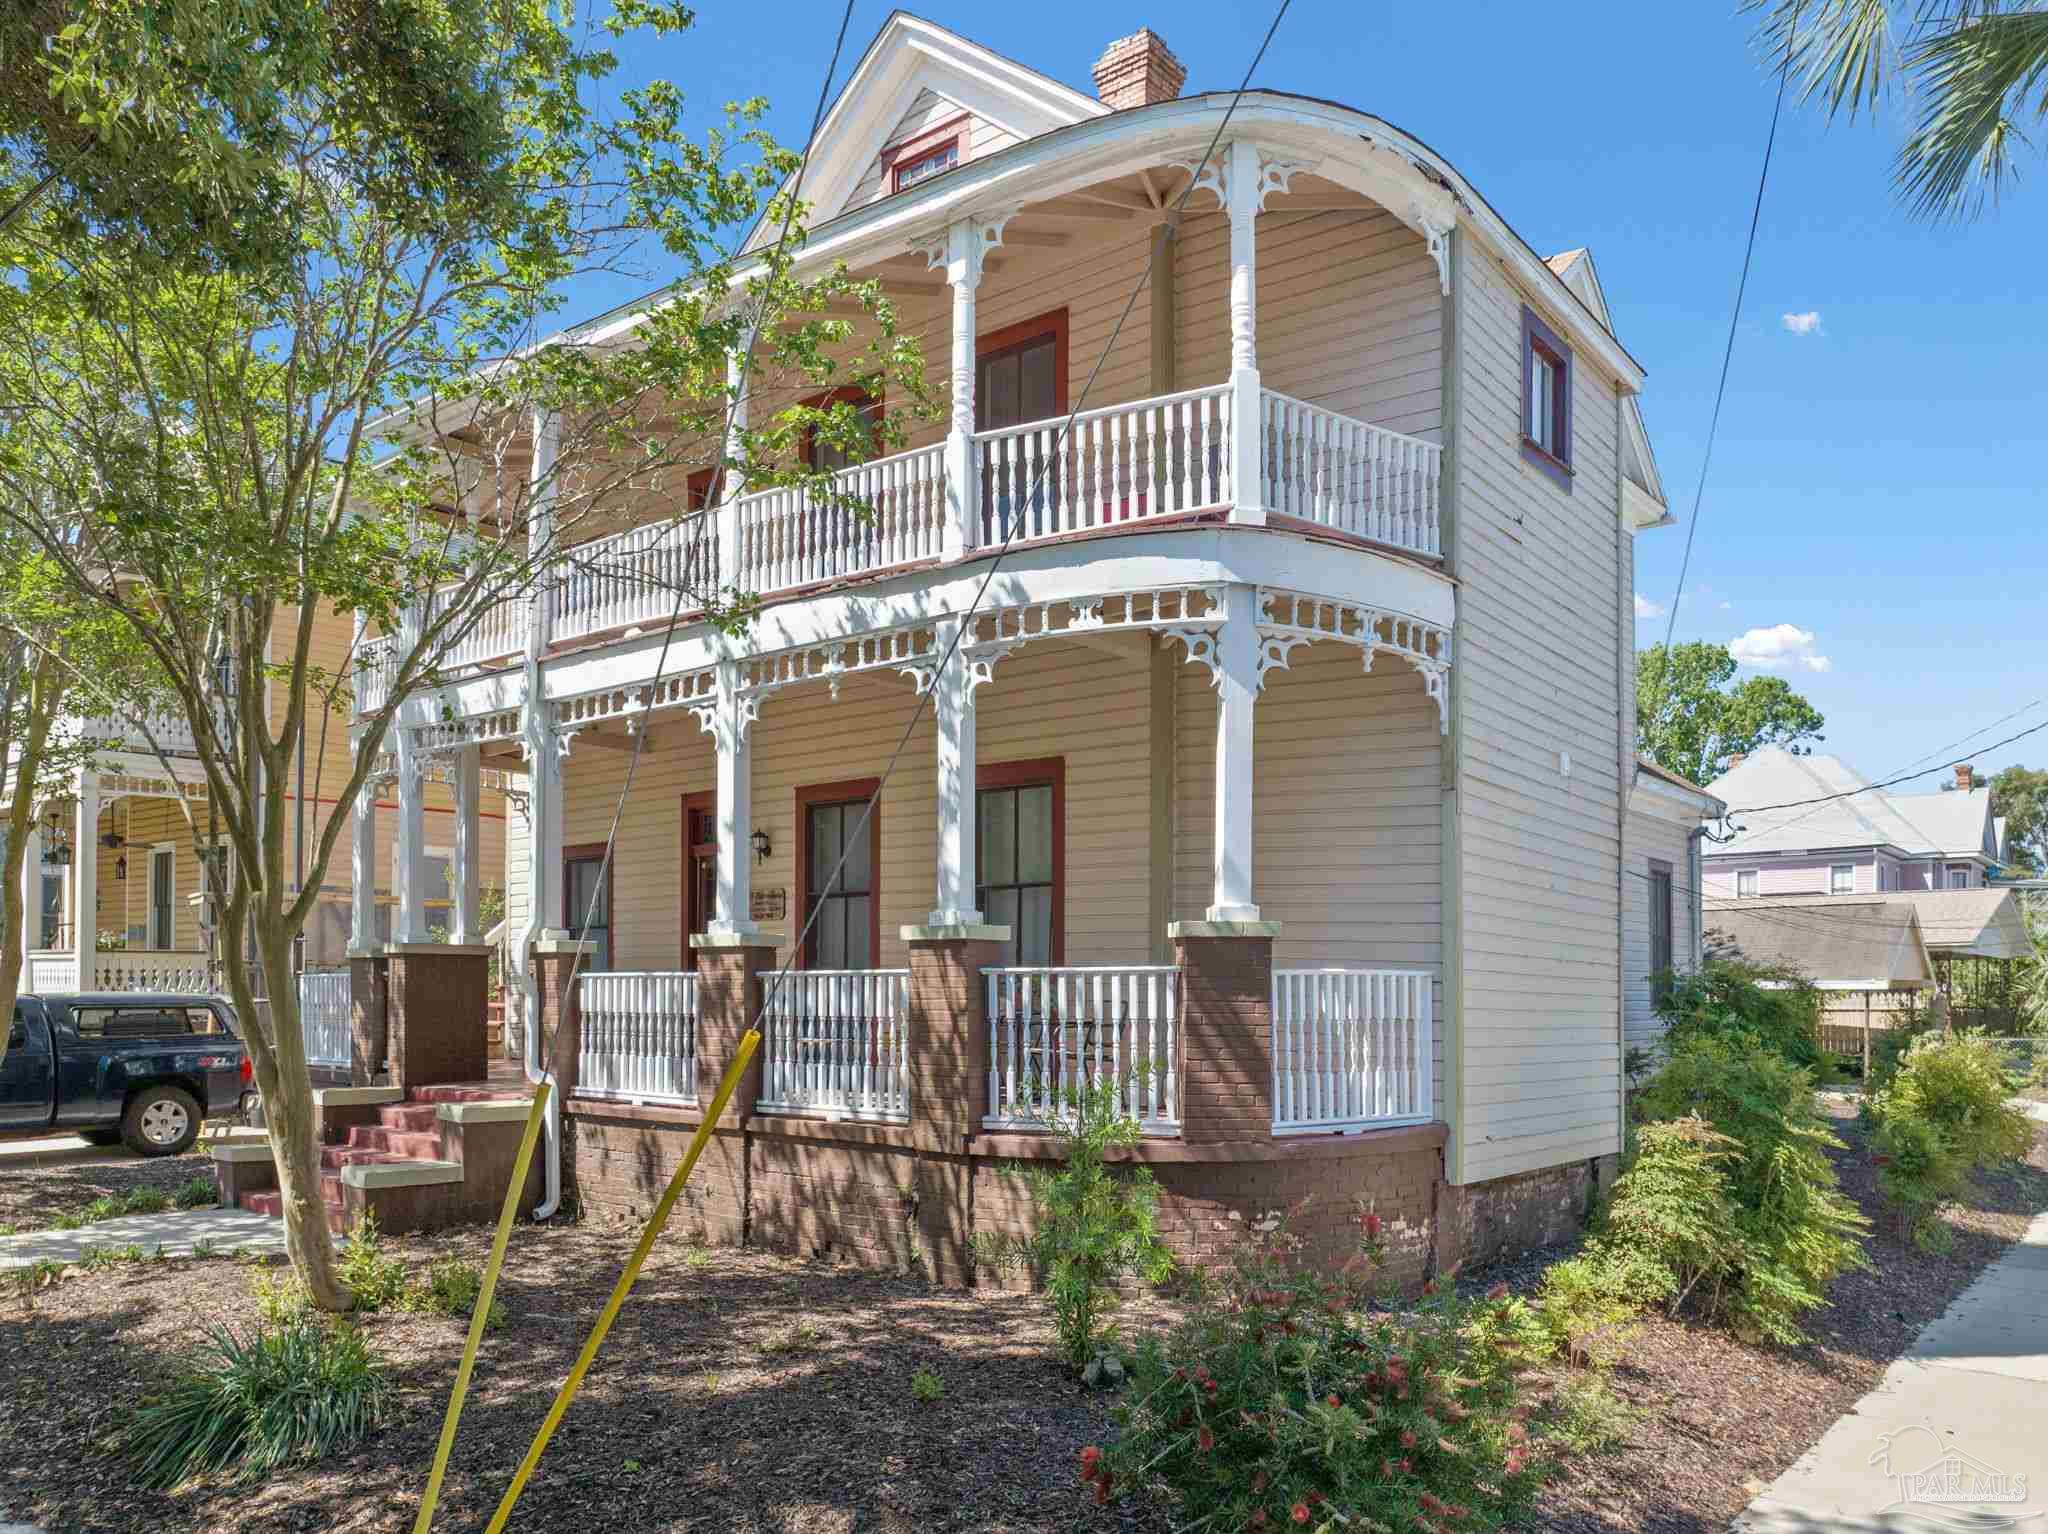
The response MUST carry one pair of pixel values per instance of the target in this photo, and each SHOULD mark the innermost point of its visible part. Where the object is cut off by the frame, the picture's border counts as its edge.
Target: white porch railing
(1351, 1049)
(375, 670)
(638, 576)
(837, 1043)
(1053, 1031)
(172, 731)
(131, 969)
(883, 513)
(1359, 479)
(326, 1004)
(51, 972)
(1121, 463)
(639, 1035)
(498, 635)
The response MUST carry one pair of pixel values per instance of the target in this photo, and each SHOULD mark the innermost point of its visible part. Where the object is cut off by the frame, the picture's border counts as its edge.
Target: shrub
(1761, 1006)
(145, 1201)
(1095, 1225)
(1888, 1047)
(1943, 1115)
(1284, 1398)
(450, 1289)
(196, 1193)
(1789, 1229)
(374, 1279)
(246, 1406)
(105, 1207)
(926, 1387)
(1587, 1417)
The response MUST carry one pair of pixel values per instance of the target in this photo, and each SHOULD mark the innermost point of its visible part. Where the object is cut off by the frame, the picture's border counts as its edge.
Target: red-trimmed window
(827, 456)
(1020, 865)
(1546, 399)
(931, 153)
(847, 933)
(587, 900)
(703, 490)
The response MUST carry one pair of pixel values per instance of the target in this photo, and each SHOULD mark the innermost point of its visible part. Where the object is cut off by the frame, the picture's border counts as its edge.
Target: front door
(700, 869)
(27, 1075)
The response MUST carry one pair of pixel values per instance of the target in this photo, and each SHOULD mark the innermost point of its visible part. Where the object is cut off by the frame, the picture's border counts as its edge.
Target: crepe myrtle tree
(353, 428)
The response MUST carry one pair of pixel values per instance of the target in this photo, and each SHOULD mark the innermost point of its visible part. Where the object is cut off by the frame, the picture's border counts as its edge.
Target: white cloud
(1645, 608)
(1807, 324)
(1782, 647)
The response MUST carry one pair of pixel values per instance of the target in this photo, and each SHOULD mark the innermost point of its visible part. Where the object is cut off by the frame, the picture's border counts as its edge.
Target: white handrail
(639, 1039)
(1346, 474)
(1054, 1031)
(887, 511)
(1115, 464)
(636, 576)
(1351, 1049)
(838, 1043)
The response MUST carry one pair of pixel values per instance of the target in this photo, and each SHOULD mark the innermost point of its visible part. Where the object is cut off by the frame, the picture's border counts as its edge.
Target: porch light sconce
(762, 846)
(121, 868)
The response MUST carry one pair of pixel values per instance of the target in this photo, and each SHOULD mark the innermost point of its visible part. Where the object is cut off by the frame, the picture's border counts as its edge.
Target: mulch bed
(32, 1196)
(752, 1393)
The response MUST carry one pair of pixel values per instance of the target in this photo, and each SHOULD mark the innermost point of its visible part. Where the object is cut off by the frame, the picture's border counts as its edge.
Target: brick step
(467, 1095)
(417, 1117)
(334, 1157)
(417, 1144)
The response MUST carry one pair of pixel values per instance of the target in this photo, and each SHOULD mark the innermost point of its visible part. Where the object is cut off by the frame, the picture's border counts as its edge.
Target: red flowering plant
(1297, 1398)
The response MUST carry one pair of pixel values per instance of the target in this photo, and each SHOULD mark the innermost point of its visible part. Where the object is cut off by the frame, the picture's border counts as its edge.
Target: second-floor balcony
(1128, 467)
(147, 732)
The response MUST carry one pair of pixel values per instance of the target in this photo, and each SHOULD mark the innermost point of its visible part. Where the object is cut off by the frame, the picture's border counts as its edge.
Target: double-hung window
(587, 902)
(1842, 879)
(1546, 399)
(839, 884)
(1017, 871)
(1745, 883)
(1660, 927)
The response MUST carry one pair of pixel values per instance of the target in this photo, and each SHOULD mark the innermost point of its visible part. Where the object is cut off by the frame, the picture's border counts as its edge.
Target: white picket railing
(638, 576)
(326, 1004)
(838, 1043)
(1351, 1049)
(1359, 479)
(143, 970)
(639, 1035)
(51, 972)
(886, 512)
(1054, 1031)
(1121, 463)
(376, 669)
(170, 731)
(498, 635)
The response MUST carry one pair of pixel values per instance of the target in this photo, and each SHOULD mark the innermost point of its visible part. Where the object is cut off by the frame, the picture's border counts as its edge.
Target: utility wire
(1905, 777)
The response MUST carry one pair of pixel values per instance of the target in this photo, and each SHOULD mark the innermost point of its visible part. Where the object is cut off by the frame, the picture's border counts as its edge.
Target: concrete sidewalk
(63, 1150)
(1955, 1436)
(229, 1230)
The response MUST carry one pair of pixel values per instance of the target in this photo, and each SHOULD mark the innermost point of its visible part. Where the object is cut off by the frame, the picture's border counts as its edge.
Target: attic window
(926, 164)
(1546, 399)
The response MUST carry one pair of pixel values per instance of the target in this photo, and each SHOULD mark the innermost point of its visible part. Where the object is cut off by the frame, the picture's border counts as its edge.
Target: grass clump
(245, 1406)
(196, 1193)
(926, 1387)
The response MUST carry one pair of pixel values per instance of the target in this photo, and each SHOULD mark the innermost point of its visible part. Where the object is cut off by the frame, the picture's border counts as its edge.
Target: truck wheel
(160, 1121)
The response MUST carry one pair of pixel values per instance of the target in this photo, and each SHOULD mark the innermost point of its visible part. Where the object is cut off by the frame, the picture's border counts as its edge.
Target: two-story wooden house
(1282, 774)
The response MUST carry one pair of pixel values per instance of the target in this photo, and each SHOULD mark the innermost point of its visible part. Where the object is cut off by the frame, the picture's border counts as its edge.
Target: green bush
(1760, 1006)
(246, 1406)
(196, 1193)
(374, 1279)
(1942, 1116)
(145, 1201)
(926, 1387)
(1284, 1399)
(450, 1289)
(1789, 1230)
(1095, 1226)
(1888, 1046)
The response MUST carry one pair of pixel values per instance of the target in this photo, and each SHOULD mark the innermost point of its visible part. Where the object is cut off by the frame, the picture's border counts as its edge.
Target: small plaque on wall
(770, 905)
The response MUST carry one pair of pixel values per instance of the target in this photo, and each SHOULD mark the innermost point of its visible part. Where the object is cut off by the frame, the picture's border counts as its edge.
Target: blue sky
(1878, 479)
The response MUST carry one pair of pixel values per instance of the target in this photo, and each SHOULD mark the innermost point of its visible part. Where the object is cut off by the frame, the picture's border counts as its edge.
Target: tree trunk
(287, 1088)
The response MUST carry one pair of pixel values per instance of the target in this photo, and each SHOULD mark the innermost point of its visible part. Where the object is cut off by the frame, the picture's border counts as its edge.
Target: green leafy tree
(1691, 714)
(227, 437)
(1973, 72)
(2020, 794)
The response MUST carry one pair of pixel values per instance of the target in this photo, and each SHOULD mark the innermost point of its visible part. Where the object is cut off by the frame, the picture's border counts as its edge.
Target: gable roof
(1851, 812)
(1682, 786)
(1841, 941)
(1983, 923)
(1638, 463)
(908, 56)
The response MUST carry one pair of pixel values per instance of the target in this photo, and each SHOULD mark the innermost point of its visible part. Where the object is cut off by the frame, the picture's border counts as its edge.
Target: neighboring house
(143, 881)
(1660, 890)
(1843, 943)
(1291, 753)
(1844, 837)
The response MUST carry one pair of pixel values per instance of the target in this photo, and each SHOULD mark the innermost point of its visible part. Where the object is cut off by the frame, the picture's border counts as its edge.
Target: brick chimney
(1138, 70)
(1966, 776)
(1735, 760)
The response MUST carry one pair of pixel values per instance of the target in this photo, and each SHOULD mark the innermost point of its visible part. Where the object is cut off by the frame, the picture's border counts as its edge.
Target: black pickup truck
(145, 1069)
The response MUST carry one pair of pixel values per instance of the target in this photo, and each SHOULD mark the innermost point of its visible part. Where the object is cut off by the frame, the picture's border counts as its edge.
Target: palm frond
(1844, 52)
(1976, 79)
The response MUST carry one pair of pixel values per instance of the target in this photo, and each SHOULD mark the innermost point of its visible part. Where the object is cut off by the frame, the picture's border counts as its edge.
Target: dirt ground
(757, 1394)
(31, 1197)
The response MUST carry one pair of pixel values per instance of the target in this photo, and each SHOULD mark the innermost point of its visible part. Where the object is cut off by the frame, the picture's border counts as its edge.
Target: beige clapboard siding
(1350, 315)
(927, 111)
(1540, 643)
(1346, 815)
(1652, 833)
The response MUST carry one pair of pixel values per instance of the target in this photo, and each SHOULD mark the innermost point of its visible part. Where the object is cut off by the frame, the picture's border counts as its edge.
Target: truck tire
(160, 1121)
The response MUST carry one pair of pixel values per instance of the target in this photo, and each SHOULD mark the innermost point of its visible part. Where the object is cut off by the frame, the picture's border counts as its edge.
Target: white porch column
(540, 528)
(965, 241)
(468, 852)
(1244, 195)
(954, 725)
(728, 719)
(362, 871)
(1237, 691)
(32, 891)
(409, 847)
(731, 547)
(85, 871)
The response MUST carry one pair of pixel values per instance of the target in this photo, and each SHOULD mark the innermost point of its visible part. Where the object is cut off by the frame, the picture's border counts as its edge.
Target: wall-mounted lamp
(762, 846)
(121, 868)
(56, 841)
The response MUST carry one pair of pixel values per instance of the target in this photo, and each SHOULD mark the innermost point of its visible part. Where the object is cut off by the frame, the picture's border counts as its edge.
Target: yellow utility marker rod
(656, 1223)
(482, 1312)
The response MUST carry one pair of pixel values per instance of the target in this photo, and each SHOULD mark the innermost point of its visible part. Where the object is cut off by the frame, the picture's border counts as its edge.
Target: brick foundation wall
(1483, 1220)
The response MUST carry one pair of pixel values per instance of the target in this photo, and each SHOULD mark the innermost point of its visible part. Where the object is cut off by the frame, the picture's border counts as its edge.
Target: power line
(1907, 777)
